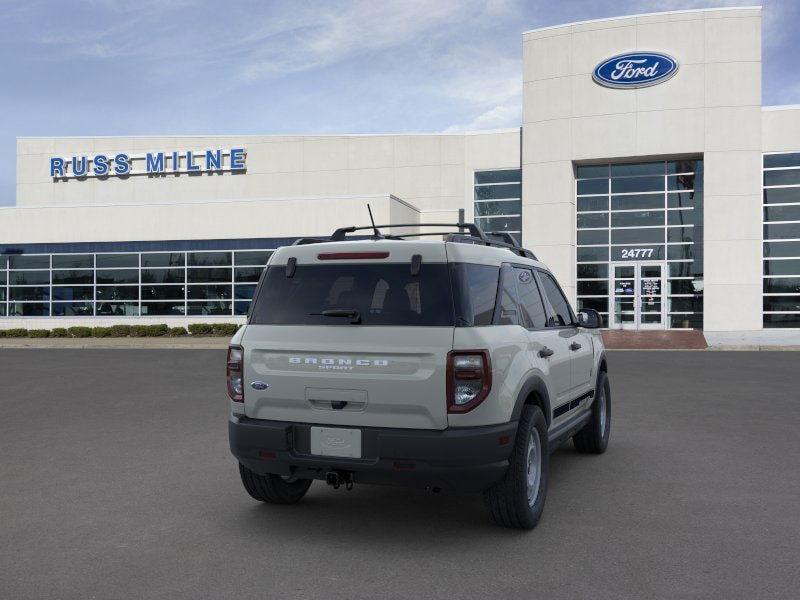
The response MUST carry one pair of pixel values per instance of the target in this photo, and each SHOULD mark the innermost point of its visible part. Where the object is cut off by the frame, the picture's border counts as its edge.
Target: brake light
(235, 373)
(469, 379)
(351, 255)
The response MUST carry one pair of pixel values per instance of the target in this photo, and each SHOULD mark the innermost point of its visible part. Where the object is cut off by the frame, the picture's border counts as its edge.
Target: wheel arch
(533, 391)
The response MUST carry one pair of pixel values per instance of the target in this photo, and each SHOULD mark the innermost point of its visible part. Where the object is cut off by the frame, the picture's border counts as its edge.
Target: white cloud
(497, 117)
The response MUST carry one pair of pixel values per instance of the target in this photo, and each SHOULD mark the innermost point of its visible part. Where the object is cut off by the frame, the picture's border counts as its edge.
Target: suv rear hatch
(351, 333)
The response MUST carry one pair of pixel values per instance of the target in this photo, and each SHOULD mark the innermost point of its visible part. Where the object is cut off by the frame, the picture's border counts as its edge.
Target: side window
(507, 302)
(530, 300)
(563, 314)
(474, 293)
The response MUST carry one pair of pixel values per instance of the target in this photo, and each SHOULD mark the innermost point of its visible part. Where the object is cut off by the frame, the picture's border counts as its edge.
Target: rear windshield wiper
(353, 315)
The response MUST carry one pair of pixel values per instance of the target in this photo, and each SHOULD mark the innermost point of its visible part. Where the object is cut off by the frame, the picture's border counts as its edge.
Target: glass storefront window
(163, 276)
(781, 214)
(29, 261)
(647, 211)
(128, 284)
(117, 276)
(163, 259)
(29, 277)
(208, 259)
(117, 261)
(498, 201)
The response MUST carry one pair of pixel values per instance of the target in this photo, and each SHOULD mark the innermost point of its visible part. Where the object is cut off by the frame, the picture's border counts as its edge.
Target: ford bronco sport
(454, 363)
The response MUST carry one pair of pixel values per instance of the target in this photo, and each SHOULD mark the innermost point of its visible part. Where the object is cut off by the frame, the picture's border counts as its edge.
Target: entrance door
(637, 295)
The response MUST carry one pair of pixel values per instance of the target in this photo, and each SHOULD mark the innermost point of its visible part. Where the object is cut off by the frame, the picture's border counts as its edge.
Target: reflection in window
(125, 284)
(498, 201)
(634, 203)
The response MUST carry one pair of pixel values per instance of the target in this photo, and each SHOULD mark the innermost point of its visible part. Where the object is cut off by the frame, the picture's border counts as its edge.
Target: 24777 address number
(637, 252)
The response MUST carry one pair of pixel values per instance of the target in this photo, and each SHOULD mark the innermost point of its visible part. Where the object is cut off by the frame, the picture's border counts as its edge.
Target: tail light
(469, 379)
(235, 373)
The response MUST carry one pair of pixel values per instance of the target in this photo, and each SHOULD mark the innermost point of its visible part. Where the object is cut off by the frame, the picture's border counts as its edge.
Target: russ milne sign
(635, 70)
(150, 163)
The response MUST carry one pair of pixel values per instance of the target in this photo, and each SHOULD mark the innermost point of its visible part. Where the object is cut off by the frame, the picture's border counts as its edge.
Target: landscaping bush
(101, 332)
(177, 331)
(16, 332)
(120, 330)
(224, 328)
(39, 333)
(201, 329)
(80, 332)
(156, 330)
(59, 332)
(138, 331)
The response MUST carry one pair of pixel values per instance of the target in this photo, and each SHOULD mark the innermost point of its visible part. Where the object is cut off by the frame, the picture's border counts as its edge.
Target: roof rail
(473, 235)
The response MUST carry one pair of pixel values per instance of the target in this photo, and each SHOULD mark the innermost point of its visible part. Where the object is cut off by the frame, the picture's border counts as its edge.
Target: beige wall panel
(417, 150)
(370, 152)
(781, 130)
(547, 57)
(325, 154)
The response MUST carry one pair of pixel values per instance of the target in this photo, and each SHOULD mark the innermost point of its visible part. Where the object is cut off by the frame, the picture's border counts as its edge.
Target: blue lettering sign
(122, 166)
(56, 167)
(635, 70)
(79, 166)
(154, 162)
(213, 160)
(237, 159)
(190, 166)
(100, 163)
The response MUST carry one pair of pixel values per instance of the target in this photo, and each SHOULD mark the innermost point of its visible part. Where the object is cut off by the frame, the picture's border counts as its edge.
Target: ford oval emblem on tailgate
(259, 385)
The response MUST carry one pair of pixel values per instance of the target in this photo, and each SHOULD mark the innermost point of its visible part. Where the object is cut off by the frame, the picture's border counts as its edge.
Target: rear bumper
(468, 459)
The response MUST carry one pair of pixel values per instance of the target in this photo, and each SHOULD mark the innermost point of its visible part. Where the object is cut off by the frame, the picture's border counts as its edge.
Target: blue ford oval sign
(635, 70)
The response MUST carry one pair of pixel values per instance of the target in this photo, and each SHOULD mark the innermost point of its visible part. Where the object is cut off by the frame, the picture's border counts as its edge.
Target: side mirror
(589, 318)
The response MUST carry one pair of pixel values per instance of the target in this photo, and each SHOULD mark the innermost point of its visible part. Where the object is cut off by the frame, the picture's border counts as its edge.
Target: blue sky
(104, 67)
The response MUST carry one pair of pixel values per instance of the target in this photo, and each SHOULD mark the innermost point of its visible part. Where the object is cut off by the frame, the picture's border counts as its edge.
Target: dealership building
(646, 173)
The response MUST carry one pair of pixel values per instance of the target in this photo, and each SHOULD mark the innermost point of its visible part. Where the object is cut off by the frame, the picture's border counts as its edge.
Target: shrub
(16, 332)
(138, 330)
(156, 330)
(59, 332)
(227, 329)
(177, 331)
(101, 332)
(120, 330)
(39, 333)
(201, 329)
(80, 332)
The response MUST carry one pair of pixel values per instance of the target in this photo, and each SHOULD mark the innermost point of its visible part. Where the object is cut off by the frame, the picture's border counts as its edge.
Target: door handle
(574, 346)
(545, 352)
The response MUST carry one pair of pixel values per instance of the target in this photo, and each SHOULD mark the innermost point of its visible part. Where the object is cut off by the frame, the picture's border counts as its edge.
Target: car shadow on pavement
(399, 513)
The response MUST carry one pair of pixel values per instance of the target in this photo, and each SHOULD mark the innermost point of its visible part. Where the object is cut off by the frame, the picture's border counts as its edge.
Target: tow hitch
(338, 478)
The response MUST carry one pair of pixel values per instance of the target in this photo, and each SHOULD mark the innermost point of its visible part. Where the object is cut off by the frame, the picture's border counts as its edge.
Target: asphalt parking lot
(116, 482)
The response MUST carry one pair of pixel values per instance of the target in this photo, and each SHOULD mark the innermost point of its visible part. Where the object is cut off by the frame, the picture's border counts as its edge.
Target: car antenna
(377, 234)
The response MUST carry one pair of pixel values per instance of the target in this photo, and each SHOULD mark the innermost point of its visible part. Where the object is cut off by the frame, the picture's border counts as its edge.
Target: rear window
(382, 294)
(459, 294)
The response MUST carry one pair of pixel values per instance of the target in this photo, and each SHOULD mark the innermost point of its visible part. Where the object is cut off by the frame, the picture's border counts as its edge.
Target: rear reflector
(351, 255)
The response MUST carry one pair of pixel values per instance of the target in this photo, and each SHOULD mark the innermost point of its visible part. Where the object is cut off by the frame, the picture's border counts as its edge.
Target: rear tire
(518, 500)
(593, 438)
(273, 489)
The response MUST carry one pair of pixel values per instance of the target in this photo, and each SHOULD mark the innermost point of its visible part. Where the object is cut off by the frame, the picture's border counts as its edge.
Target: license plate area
(335, 441)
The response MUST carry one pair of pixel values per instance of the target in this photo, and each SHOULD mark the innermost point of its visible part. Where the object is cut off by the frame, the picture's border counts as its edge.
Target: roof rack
(473, 235)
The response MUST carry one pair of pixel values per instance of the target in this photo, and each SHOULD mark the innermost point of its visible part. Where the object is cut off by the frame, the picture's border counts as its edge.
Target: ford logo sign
(259, 385)
(635, 70)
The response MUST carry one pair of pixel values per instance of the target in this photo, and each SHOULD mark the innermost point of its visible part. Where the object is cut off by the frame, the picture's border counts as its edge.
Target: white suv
(454, 363)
